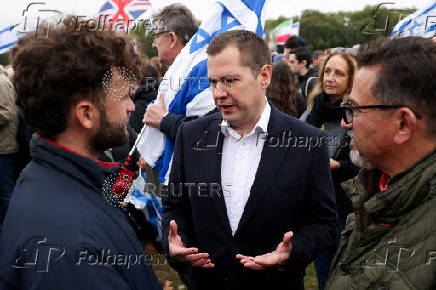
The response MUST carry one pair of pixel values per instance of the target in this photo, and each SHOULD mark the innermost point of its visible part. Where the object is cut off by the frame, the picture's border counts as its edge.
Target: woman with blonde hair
(333, 86)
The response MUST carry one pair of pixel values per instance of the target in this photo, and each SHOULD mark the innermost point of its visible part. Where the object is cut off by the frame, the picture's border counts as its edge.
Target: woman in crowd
(282, 91)
(333, 87)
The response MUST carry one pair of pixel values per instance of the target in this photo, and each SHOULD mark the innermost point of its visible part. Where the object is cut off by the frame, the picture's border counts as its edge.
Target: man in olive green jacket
(389, 241)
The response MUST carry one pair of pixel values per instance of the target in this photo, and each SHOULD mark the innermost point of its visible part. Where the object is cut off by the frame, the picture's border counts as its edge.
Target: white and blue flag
(148, 203)
(8, 38)
(420, 23)
(185, 86)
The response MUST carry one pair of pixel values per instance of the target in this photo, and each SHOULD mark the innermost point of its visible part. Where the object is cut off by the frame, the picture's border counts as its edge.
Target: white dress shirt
(239, 163)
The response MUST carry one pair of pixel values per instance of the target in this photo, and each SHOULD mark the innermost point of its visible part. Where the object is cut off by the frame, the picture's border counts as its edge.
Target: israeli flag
(185, 86)
(8, 38)
(420, 23)
(146, 202)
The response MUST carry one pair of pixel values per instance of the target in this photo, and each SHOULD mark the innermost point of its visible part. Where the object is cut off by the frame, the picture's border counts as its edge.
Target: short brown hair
(407, 73)
(253, 50)
(54, 72)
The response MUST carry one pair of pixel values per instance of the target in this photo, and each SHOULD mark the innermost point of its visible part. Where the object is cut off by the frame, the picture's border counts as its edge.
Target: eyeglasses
(156, 34)
(349, 113)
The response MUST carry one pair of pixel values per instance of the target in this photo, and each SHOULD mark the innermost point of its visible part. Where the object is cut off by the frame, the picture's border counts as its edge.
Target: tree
(4, 58)
(272, 23)
(345, 29)
(145, 42)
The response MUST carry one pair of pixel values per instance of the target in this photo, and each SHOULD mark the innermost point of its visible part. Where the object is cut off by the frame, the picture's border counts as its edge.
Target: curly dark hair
(55, 72)
(282, 91)
(407, 73)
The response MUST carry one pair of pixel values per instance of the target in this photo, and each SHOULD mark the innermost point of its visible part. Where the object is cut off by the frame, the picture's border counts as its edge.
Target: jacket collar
(85, 170)
(404, 192)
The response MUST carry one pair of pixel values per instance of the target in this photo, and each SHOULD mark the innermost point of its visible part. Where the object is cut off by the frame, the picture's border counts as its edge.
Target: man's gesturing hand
(179, 252)
(277, 258)
(155, 112)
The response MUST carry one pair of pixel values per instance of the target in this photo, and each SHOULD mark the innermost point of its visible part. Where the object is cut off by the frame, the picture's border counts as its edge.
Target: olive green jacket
(8, 117)
(389, 242)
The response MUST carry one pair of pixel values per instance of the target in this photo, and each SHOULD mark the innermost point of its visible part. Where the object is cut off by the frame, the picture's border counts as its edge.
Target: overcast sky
(11, 10)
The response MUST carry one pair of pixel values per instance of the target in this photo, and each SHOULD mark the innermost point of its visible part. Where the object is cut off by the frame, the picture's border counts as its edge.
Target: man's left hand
(155, 112)
(277, 258)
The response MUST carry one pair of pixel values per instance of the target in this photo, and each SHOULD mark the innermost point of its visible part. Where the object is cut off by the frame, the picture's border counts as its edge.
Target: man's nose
(220, 90)
(346, 126)
(130, 105)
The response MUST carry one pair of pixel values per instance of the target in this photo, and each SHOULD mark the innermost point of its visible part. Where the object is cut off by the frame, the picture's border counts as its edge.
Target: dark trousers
(324, 259)
(6, 182)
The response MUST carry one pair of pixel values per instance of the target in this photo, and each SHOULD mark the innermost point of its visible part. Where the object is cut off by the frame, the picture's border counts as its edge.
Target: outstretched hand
(279, 257)
(179, 252)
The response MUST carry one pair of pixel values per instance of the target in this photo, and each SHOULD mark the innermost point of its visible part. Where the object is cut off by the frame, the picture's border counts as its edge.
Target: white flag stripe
(420, 23)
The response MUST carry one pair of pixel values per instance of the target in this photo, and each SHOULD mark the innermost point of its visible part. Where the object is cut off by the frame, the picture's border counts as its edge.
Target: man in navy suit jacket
(250, 201)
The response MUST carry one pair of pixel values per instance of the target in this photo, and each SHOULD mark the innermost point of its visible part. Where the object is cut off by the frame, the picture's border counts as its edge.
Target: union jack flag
(124, 9)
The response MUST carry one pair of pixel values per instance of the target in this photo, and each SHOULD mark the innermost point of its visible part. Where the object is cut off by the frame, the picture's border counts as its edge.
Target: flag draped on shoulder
(185, 86)
(420, 23)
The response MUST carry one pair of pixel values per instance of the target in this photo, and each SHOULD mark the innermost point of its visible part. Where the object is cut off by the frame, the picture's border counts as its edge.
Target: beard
(109, 134)
(356, 156)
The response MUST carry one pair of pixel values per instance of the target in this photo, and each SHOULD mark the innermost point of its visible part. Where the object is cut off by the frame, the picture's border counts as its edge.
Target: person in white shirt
(247, 206)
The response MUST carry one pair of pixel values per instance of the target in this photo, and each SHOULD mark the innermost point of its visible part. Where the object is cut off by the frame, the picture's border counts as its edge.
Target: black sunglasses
(348, 113)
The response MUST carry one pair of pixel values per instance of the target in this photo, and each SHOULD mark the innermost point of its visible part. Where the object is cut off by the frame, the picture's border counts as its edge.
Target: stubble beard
(356, 156)
(109, 135)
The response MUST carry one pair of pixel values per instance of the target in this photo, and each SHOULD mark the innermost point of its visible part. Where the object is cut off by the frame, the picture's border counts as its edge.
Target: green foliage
(4, 58)
(271, 23)
(345, 29)
(145, 42)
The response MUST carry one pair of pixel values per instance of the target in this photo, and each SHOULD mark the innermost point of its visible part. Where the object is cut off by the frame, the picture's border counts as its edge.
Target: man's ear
(87, 114)
(405, 125)
(265, 76)
(174, 39)
(304, 62)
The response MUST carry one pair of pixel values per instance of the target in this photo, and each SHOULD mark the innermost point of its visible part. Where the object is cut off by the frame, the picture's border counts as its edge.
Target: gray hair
(177, 18)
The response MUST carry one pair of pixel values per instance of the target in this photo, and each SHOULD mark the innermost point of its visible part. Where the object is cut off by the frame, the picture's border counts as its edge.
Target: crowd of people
(351, 187)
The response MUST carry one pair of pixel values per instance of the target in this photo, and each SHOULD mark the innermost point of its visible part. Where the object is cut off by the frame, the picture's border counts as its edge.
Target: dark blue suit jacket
(61, 233)
(292, 190)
